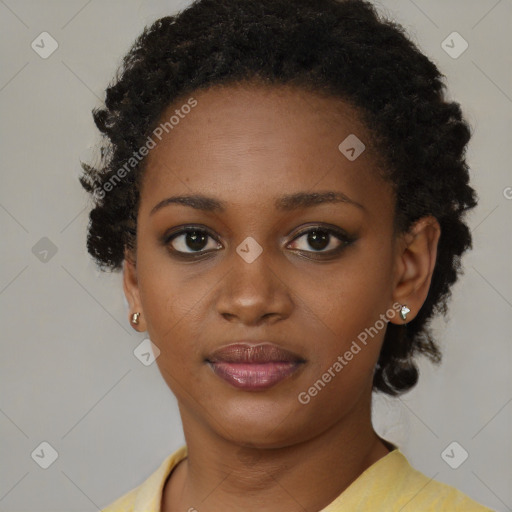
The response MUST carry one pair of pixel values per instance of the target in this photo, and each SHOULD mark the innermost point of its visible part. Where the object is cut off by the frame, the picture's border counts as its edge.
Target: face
(265, 261)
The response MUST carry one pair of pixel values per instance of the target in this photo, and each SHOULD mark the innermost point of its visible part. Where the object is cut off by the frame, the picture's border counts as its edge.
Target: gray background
(68, 373)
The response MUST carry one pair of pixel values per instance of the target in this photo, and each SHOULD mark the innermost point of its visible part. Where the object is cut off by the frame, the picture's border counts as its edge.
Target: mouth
(254, 367)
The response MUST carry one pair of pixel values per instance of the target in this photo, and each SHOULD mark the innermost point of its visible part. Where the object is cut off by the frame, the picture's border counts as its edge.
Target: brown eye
(320, 240)
(191, 240)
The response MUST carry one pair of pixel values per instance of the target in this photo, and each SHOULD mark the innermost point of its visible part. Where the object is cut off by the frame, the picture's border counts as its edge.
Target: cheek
(349, 322)
(172, 304)
(171, 309)
(352, 296)
(349, 330)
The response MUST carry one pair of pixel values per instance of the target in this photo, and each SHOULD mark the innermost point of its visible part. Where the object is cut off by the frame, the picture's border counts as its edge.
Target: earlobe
(416, 259)
(131, 291)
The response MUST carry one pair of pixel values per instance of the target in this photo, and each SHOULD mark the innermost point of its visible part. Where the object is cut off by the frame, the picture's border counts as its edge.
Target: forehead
(247, 143)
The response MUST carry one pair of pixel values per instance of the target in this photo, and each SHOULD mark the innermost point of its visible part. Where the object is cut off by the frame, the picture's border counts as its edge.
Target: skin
(246, 145)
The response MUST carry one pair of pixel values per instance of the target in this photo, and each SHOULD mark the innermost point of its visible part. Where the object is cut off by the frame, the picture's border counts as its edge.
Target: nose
(254, 293)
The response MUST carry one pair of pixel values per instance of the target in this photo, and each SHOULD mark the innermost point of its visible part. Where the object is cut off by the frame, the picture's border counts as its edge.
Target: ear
(414, 265)
(131, 291)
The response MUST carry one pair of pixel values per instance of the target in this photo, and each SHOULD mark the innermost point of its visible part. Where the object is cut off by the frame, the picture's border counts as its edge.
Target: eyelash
(337, 233)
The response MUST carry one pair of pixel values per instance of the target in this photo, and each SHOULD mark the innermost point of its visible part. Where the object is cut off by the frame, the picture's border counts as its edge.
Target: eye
(199, 241)
(321, 239)
(192, 241)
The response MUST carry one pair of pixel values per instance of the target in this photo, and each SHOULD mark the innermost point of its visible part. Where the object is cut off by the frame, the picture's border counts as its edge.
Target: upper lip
(251, 352)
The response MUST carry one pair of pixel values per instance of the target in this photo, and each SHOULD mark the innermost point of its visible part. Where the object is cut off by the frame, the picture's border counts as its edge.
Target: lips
(253, 353)
(252, 366)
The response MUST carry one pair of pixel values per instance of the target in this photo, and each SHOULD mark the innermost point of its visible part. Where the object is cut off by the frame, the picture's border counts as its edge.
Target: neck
(221, 475)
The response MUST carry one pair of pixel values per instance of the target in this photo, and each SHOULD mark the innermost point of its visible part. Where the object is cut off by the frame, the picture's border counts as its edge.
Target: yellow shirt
(389, 485)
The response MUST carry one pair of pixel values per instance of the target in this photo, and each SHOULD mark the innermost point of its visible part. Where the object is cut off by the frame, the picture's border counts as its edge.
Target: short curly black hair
(342, 48)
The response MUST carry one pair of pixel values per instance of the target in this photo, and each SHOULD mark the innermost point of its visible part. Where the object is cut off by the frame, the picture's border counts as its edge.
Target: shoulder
(414, 491)
(391, 484)
(123, 504)
(148, 495)
(422, 493)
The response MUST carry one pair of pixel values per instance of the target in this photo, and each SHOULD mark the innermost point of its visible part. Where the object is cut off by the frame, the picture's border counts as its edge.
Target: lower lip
(254, 376)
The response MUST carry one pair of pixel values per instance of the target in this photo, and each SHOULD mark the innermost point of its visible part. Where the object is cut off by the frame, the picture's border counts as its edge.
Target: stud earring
(403, 312)
(135, 318)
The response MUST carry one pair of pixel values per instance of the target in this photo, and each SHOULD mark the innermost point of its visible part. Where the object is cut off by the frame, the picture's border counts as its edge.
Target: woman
(284, 186)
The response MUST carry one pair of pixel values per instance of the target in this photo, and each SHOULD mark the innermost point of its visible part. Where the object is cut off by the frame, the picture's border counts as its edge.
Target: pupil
(318, 239)
(196, 240)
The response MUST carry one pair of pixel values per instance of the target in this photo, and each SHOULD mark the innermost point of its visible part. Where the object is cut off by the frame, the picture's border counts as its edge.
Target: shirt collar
(149, 495)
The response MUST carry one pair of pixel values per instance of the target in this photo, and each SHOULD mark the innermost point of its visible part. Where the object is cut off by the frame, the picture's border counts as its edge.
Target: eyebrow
(288, 202)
